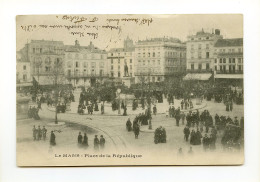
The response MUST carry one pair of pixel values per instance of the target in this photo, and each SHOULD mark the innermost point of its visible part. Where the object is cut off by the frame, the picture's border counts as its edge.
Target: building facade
(121, 63)
(85, 65)
(42, 55)
(228, 60)
(158, 58)
(23, 72)
(200, 51)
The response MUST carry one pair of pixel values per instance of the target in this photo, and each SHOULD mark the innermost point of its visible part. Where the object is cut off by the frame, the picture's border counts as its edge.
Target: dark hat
(101, 135)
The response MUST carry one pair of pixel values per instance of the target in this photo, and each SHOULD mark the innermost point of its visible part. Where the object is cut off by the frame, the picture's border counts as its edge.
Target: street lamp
(118, 91)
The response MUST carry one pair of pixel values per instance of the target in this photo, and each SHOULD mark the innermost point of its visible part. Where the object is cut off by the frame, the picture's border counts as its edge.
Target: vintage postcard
(127, 90)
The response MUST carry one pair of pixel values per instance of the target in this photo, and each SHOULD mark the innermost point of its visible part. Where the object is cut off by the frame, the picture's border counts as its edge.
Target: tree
(57, 75)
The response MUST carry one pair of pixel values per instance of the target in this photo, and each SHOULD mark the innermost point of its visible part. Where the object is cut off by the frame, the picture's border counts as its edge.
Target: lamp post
(118, 91)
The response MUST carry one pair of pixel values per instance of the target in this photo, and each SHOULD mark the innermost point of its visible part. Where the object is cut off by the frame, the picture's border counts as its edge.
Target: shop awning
(229, 76)
(197, 76)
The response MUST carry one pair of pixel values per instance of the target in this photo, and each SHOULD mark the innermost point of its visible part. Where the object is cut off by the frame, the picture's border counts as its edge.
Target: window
(33, 50)
(93, 65)
(239, 60)
(112, 67)
(239, 49)
(143, 54)
(200, 66)
(24, 77)
(118, 61)
(207, 66)
(118, 74)
(130, 67)
(239, 68)
(47, 68)
(216, 68)
(192, 66)
(143, 62)
(112, 74)
(221, 68)
(192, 56)
(233, 60)
(158, 62)
(153, 54)
(85, 64)
(220, 61)
(199, 54)
(77, 56)
(148, 54)
(229, 60)
(118, 67)
(158, 79)
(207, 38)
(130, 60)
(69, 72)
(111, 61)
(224, 68)
(234, 68)
(207, 54)
(111, 54)
(230, 68)
(24, 67)
(77, 64)
(224, 60)
(216, 61)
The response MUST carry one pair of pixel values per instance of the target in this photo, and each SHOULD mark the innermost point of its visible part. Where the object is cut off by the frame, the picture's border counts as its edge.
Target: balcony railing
(229, 72)
(199, 71)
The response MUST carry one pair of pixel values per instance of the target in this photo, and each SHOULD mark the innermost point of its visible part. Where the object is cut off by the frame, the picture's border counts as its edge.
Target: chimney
(217, 31)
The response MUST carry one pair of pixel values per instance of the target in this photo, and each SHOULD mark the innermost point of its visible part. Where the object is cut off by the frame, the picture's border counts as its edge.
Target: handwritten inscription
(82, 26)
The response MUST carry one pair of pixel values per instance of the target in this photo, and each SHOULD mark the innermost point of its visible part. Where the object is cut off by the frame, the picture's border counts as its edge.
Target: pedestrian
(102, 142)
(182, 117)
(85, 140)
(44, 132)
(180, 154)
(52, 139)
(80, 138)
(125, 113)
(128, 125)
(186, 132)
(154, 110)
(190, 151)
(34, 132)
(102, 109)
(39, 133)
(136, 128)
(96, 143)
(205, 142)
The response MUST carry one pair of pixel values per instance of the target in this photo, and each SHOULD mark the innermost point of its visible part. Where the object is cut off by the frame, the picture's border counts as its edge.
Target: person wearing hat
(52, 138)
(102, 142)
(39, 136)
(85, 140)
(80, 138)
(44, 131)
(34, 132)
(96, 143)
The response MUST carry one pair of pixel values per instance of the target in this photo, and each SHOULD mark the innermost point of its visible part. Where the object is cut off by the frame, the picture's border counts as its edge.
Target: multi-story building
(200, 53)
(121, 63)
(85, 65)
(228, 60)
(42, 56)
(23, 73)
(159, 58)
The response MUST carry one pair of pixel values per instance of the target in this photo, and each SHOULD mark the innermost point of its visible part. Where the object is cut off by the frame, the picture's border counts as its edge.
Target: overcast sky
(178, 26)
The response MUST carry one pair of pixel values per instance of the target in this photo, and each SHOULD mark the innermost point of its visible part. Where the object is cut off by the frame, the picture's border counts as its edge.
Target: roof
(229, 42)
(197, 76)
(163, 39)
(229, 76)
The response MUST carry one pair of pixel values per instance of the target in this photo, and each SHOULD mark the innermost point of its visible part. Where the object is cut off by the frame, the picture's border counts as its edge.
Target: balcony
(229, 72)
(199, 70)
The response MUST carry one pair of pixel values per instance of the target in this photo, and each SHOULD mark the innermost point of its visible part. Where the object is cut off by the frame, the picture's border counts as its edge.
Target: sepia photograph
(129, 90)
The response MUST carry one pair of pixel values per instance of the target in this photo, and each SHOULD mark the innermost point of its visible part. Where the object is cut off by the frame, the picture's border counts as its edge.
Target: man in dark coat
(44, 132)
(205, 142)
(96, 143)
(136, 129)
(85, 140)
(52, 138)
(39, 133)
(186, 132)
(102, 109)
(80, 138)
(128, 125)
(102, 142)
(192, 137)
(34, 132)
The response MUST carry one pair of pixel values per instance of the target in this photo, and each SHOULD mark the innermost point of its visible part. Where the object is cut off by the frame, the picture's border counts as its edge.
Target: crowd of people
(38, 133)
(33, 113)
(160, 135)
